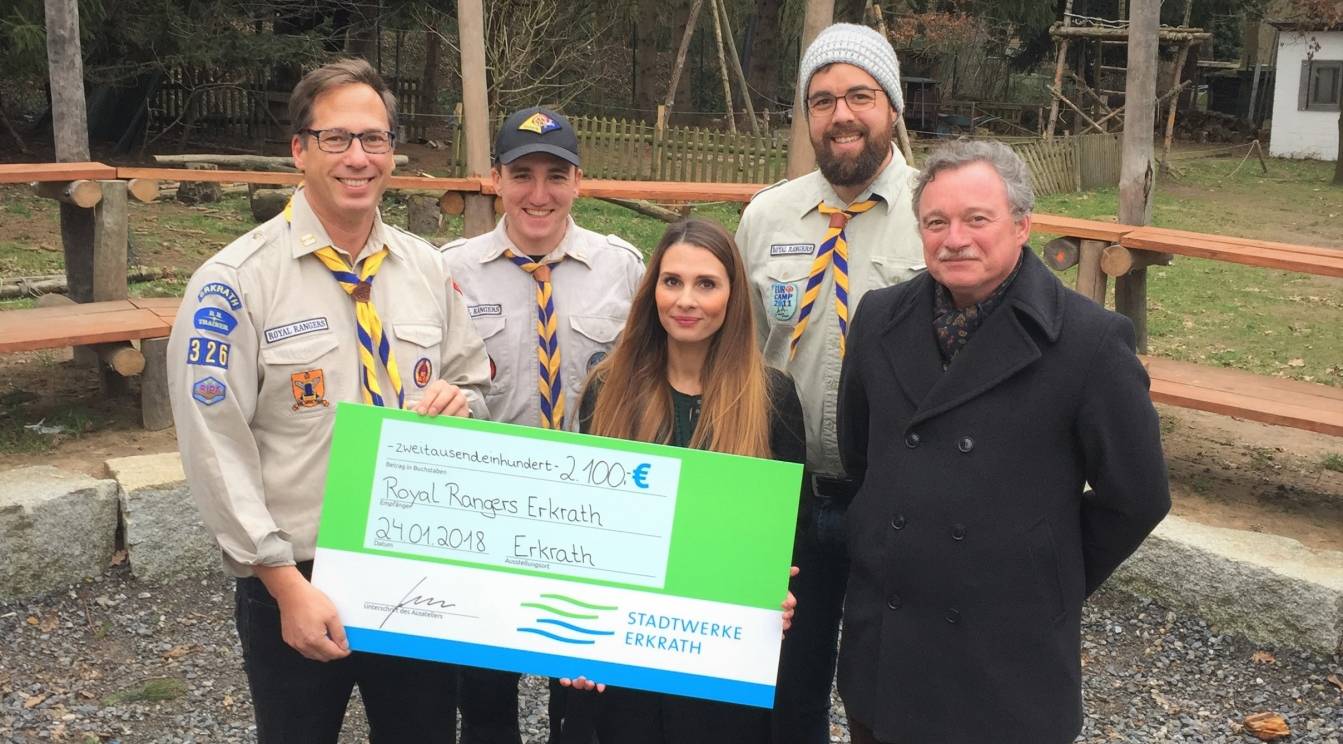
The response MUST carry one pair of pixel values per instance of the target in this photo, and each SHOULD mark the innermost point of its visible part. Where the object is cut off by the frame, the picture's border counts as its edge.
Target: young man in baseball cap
(537, 263)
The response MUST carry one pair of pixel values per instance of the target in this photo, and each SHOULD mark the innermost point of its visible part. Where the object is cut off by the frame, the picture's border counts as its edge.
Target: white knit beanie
(859, 46)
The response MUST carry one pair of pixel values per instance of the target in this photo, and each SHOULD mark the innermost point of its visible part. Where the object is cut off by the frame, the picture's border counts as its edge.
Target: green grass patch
(151, 690)
(24, 430)
(1333, 461)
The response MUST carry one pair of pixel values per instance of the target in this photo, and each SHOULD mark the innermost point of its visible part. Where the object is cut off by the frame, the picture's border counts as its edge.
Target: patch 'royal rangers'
(792, 249)
(208, 391)
(299, 328)
(309, 388)
(477, 311)
(220, 289)
(424, 371)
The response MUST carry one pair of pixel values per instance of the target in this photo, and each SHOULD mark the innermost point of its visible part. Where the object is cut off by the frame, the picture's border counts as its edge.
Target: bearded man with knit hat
(813, 246)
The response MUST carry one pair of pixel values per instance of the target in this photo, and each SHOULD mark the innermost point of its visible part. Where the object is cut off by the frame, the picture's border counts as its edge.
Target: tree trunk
(765, 52)
(1137, 179)
(648, 89)
(1338, 159)
(429, 79)
(801, 157)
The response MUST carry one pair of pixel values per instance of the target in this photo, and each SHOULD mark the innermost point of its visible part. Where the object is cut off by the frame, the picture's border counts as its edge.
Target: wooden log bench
(108, 328)
(1231, 392)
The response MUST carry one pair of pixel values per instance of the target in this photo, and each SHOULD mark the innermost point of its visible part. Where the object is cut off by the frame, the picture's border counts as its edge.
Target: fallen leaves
(1267, 726)
(1263, 657)
(1335, 681)
(1297, 362)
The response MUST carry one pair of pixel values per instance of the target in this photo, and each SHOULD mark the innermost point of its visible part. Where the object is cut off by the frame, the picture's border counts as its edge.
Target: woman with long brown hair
(687, 372)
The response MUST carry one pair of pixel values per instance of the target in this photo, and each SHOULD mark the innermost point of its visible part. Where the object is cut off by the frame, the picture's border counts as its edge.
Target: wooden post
(65, 66)
(680, 60)
(801, 157)
(901, 131)
(1174, 102)
(722, 65)
(1091, 280)
(1137, 178)
(155, 411)
(479, 209)
(736, 66)
(110, 240)
(84, 194)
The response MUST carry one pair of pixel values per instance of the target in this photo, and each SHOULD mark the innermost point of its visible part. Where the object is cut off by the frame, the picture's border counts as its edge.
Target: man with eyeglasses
(322, 304)
(813, 246)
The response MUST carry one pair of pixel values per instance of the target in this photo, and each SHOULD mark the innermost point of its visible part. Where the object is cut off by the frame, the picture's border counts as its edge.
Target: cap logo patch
(538, 123)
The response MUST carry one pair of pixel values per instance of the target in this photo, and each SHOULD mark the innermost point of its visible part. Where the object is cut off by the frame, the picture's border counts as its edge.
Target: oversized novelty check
(559, 554)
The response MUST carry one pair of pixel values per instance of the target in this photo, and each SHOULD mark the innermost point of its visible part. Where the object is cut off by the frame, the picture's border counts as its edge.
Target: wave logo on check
(568, 620)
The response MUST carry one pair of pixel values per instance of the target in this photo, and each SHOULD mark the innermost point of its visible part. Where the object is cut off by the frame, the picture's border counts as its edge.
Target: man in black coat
(978, 403)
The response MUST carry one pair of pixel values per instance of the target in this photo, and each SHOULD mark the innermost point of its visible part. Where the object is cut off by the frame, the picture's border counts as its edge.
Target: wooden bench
(108, 328)
(1270, 400)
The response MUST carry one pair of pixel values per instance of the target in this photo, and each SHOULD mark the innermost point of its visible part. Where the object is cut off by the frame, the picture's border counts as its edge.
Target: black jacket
(972, 542)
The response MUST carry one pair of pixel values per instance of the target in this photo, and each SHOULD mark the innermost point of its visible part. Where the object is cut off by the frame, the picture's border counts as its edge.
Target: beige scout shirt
(778, 236)
(262, 349)
(591, 288)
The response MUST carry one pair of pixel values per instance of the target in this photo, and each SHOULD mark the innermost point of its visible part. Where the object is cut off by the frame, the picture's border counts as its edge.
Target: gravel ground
(115, 660)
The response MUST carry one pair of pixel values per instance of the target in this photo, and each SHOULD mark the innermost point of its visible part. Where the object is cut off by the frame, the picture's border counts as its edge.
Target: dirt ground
(1224, 472)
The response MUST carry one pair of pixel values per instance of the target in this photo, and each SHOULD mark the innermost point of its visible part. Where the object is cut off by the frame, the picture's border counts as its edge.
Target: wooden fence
(1067, 164)
(633, 151)
(239, 105)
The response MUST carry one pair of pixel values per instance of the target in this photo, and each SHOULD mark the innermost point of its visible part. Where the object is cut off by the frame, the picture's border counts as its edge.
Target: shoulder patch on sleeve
(458, 243)
(620, 242)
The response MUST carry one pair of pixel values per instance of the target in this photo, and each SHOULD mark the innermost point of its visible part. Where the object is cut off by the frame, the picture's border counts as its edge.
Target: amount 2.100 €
(597, 472)
(391, 530)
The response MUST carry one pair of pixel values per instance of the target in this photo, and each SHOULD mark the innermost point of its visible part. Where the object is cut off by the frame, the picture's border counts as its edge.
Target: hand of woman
(582, 683)
(790, 603)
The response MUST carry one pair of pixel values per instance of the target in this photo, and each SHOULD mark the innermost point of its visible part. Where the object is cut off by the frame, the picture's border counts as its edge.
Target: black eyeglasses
(338, 140)
(858, 99)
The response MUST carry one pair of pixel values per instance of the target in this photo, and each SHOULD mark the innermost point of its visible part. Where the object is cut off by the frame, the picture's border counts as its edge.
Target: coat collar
(999, 349)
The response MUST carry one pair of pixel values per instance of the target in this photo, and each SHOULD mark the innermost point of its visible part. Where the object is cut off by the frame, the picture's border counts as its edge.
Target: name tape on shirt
(792, 249)
(477, 311)
(311, 325)
(215, 319)
(222, 290)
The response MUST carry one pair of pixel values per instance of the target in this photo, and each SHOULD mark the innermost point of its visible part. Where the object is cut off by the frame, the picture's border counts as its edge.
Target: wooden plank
(1295, 415)
(1248, 242)
(1212, 249)
(1246, 384)
(1052, 224)
(28, 172)
(469, 185)
(18, 332)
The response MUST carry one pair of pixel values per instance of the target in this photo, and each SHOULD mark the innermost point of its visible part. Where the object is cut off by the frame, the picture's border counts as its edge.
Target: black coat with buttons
(972, 542)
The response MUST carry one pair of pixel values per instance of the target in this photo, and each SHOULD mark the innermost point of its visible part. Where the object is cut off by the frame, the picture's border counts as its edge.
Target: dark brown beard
(840, 171)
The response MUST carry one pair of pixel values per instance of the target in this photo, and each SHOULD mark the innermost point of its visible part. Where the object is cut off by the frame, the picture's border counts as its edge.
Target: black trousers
(624, 716)
(489, 700)
(807, 659)
(301, 701)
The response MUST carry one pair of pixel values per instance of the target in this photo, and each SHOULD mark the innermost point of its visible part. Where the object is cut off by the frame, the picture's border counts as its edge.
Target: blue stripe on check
(555, 665)
(553, 637)
(571, 626)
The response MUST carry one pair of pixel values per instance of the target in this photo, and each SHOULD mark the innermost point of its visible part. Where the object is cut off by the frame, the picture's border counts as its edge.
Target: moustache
(841, 130)
(957, 254)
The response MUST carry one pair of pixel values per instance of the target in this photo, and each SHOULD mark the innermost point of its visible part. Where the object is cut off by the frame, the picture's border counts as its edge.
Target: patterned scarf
(953, 326)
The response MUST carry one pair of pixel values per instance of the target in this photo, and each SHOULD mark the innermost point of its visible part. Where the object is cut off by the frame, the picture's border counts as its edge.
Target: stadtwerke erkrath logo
(568, 620)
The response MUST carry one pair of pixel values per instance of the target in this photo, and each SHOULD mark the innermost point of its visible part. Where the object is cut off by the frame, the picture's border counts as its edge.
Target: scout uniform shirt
(265, 345)
(778, 237)
(591, 288)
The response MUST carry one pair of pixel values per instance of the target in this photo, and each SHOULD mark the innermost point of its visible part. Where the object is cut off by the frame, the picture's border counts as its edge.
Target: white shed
(1306, 93)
